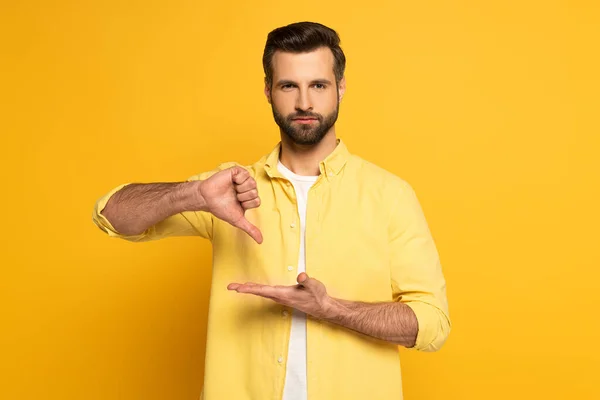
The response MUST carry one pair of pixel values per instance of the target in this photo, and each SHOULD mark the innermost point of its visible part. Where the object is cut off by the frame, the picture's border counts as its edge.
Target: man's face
(304, 96)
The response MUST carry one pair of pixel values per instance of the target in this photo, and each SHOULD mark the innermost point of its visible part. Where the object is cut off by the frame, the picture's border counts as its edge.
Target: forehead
(298, 66)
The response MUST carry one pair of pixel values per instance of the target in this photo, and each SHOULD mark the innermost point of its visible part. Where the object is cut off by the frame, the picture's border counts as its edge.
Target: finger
(239, 175)
(250, 229)
(235, 286)
(259, 290)
(306, 281)
(242, 181)
(247, 205)
(246, 196)
(302, 278)
(248, 184)
(261, 295)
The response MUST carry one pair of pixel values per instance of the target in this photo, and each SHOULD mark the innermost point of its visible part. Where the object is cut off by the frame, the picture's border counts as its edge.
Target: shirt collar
(330, 166)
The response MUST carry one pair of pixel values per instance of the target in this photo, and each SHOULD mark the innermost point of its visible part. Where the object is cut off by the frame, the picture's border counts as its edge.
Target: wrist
(190, 197)
(334, 309)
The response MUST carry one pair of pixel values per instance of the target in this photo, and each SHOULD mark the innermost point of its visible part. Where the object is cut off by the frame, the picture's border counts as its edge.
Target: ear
(267, 91)
(342, 88)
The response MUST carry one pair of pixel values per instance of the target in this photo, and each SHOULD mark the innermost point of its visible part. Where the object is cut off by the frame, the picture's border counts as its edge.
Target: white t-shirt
(295, 375)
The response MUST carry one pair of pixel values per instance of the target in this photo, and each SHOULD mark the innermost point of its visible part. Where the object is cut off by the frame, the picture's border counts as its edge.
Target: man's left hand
(308, 296)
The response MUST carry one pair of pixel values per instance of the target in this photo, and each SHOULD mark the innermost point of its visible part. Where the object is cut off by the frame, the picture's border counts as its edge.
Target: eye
(319, 86)
(287, 86)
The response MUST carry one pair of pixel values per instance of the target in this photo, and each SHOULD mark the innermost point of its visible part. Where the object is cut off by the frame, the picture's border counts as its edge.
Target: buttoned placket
(325, 173)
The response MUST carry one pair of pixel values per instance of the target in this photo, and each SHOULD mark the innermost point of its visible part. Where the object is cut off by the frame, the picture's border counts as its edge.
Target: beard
(305, 134)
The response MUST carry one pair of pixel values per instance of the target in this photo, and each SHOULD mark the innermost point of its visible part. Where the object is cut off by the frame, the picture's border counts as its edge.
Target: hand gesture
(228, 194)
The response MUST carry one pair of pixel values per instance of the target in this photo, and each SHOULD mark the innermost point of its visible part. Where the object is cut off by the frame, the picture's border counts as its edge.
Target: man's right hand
(228, 194)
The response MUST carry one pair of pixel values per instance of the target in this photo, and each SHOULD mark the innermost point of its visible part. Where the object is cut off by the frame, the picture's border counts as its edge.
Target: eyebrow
(313, 82)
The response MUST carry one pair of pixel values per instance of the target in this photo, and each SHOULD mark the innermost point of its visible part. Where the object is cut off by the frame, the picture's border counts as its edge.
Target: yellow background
(489, 109)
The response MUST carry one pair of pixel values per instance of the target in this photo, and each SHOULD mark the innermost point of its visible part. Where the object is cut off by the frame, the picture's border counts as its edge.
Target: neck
(305, 159)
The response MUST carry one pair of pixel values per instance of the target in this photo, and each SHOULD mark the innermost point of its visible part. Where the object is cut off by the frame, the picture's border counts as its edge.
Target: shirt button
(280, 360)
(292, 225)
(284, 313)
(290, 268)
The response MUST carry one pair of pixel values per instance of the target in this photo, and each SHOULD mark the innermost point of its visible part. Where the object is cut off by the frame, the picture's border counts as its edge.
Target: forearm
(138, 206)
(390, 321)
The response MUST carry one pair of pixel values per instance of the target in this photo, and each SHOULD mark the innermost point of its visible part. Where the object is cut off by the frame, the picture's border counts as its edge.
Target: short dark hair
(301, 37)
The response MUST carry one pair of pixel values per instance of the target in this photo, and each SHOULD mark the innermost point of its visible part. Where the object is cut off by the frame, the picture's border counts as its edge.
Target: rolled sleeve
(104, 224)
(416, 273)
(434, 326)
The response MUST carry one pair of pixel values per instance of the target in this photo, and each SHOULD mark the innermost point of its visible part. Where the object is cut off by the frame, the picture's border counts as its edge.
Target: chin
(306, 140)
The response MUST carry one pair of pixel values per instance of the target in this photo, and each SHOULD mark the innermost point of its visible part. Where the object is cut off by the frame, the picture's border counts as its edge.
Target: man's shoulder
(369, 172)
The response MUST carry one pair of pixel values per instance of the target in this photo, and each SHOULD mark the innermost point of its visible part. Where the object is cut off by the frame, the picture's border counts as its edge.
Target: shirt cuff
(103, 223)
(434, 326)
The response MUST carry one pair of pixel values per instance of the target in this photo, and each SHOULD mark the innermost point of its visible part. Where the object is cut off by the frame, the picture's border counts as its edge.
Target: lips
(305, 121)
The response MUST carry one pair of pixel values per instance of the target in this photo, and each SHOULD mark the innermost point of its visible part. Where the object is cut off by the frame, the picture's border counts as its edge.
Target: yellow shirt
(366, 239)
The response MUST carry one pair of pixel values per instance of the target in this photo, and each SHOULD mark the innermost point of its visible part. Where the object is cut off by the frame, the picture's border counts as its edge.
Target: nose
(303, 102)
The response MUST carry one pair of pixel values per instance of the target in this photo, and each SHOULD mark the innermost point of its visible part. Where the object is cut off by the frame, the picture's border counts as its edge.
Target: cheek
(327, 103)
(283, 104)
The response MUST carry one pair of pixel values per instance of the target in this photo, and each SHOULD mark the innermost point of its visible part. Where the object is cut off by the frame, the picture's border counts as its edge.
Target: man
(308, 207)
